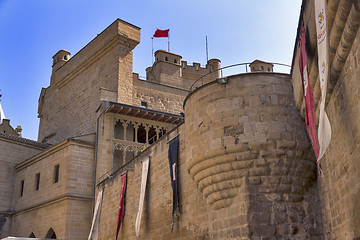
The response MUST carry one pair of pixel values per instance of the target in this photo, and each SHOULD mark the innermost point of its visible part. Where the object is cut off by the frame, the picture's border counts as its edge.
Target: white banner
(324, 129)
(2, 115)
(145, 170)
(95, 222)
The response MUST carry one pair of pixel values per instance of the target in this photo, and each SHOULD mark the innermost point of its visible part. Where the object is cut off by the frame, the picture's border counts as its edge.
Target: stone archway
(51, 234)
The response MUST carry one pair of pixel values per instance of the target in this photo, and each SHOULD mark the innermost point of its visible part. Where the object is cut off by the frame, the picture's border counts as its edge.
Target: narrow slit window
(143, 104)
(37, 181)
(56, 173)
(22, 188)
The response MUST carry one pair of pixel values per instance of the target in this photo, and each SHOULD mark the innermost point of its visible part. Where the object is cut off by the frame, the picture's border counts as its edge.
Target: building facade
(246, 169)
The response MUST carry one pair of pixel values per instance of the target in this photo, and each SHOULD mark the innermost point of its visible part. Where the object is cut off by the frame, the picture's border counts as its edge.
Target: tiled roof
(24, 140)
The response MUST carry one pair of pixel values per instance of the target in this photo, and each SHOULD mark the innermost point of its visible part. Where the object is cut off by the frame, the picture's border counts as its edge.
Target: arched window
(51, 234)
(119, 130)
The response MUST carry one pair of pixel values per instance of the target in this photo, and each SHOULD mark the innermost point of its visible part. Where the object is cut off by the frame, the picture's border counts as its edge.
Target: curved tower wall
(246, 138)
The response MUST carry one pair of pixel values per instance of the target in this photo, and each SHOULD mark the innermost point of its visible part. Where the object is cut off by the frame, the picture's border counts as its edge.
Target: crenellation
(171, 70)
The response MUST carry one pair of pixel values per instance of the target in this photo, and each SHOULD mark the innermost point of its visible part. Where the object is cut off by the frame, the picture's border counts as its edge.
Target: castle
(246, 169)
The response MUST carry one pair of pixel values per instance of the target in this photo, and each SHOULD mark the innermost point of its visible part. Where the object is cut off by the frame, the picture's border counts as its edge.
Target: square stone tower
(70, 105)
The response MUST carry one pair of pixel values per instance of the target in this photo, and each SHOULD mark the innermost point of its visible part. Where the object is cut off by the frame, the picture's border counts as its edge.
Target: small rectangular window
(56, 173)
(21, 188)
(144, 104)
(37, 181)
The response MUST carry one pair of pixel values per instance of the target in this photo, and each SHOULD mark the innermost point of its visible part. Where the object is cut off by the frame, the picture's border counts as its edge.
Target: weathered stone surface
(269, 154)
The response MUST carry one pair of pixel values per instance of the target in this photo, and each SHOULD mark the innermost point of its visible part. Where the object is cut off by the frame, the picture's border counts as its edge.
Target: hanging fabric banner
(144, 175)
(308, 95)
(324, 129)
(95, 222)
(122, 202)
(173, 155)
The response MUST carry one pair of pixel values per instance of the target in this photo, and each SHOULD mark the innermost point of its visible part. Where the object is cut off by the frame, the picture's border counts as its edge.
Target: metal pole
(207, 51)
(169, 41)
(152, 50)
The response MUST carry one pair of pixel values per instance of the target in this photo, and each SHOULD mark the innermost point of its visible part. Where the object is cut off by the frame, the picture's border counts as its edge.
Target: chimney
(18, 129)
(59, 59)
(214, 65)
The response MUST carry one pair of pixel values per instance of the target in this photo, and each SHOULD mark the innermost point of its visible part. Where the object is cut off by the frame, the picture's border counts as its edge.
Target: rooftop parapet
(169, 69)
(119, 32)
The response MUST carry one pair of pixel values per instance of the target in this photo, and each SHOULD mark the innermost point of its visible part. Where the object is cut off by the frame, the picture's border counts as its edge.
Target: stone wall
(158, 96)
(13, 151)
(245, 170)
(156, 218)
(65, 205)
(339, 187)
(246, 137)
(41, 220)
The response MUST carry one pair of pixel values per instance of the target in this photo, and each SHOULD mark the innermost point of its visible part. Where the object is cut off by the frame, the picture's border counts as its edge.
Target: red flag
(308, 95)
(161, 33)
(122, 202)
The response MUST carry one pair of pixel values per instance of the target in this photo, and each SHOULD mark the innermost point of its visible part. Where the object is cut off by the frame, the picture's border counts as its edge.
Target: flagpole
(152, 51)
(207, 51)
(169, 41)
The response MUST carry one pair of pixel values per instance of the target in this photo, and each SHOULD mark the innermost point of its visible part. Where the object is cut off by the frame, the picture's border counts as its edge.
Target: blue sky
(33, 31)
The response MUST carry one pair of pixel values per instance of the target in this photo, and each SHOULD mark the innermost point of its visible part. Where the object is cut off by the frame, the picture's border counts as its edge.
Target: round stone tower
(244, 136)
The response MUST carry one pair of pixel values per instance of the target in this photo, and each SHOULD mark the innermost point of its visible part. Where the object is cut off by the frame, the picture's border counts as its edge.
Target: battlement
(169, 69)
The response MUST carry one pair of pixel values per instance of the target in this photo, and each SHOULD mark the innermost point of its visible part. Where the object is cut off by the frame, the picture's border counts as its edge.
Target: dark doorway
(51, 234)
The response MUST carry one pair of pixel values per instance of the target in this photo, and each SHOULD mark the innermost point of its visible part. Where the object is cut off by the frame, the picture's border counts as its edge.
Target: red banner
(122, 202)
(308, 95)
(161, 33)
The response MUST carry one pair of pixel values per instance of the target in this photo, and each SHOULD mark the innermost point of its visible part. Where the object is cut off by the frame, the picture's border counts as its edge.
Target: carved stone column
(136, 127)
(147, 128)
(125, 124)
